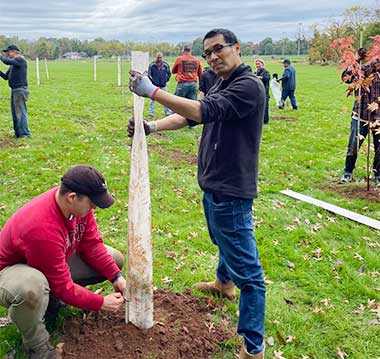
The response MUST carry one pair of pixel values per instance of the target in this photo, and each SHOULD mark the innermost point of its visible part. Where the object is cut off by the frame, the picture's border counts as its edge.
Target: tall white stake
(118, 71)
(38, 70)
(47, 69)
(139, 309)
(94, 68)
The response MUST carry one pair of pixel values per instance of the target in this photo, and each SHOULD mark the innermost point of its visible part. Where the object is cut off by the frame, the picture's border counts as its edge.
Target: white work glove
(141, 85)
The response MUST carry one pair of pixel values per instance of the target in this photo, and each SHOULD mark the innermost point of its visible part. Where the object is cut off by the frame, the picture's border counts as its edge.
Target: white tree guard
(38, 71)
(118, 71)
(139, 309)
(46, 69)
(94, 68)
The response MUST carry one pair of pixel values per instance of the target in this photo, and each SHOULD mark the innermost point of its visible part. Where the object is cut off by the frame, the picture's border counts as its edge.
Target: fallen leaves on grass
(280, 338)
(341, 354)
(291, 265)
(358, 256)
(270, 341)
(317, 254)
(278, 355)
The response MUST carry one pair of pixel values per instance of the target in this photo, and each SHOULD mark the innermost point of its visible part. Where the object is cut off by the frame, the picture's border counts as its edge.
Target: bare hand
(120, 286)
(113, 302)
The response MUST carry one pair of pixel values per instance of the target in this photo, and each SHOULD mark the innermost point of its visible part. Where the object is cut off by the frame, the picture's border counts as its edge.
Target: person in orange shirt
(188, 69)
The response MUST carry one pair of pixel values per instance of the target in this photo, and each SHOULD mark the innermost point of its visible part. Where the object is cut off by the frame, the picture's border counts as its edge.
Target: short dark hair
(63, 189)
(228, 35)
(186, 48)
(286, 61)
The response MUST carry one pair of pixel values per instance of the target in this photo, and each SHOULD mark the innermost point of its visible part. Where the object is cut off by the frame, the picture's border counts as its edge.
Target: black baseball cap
(87, 180)
(12, 48)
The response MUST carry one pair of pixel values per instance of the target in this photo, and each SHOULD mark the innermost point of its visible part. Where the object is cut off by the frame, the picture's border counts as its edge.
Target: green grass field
(325, 300)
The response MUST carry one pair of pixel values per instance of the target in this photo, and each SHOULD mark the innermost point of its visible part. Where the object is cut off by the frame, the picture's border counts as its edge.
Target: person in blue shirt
(288, 80)
(159, 73)
(17, 80)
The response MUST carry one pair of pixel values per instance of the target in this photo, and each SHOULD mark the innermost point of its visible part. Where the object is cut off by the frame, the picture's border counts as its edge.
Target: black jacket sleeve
(17, 61)
(4, 75)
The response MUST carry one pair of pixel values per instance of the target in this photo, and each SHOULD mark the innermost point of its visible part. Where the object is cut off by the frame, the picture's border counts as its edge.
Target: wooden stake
(94, 68)
(139, 309)
(335, 209)
(118, 71)
(47, 69)
(38, 70)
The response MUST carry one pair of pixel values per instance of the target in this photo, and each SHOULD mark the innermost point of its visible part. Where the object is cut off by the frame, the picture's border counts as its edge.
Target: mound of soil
(356, 191)
(182, 329)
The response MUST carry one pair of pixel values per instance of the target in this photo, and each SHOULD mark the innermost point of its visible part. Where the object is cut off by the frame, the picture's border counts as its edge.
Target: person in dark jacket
(368, 120)
(232, 116)
(264, 76)
(159, 73)
(206, 81)
(17, 80)
(288, 80)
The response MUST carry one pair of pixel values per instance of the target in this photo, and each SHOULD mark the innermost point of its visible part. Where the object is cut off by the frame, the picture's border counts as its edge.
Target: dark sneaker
(346, 178)
(45, 351)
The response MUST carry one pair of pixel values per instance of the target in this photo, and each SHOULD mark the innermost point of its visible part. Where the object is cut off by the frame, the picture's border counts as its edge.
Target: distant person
(159, 72)
(206, 81)
(51, 245)
(188, 70)
(17, 80)
(264, 76)
(288, 80)
(365, 117)
(276, 89)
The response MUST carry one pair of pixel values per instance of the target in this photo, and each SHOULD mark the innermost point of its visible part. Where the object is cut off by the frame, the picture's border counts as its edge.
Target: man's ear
(70, 197)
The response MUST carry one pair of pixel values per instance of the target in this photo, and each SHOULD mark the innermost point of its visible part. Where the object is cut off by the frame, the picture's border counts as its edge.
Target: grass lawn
(322, 271)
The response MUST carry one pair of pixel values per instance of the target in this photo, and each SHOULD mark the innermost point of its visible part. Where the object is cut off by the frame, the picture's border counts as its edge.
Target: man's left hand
(141, 85)
(120, 285)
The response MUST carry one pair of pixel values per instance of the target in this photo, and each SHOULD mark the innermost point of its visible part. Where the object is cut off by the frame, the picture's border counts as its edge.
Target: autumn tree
(361, 79)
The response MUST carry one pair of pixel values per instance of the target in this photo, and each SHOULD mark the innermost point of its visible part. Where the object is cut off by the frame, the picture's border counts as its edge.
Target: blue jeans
(19, 96)
(289, 93)
(152, 105)
(230, 226)
(352, 149)
(186, 90)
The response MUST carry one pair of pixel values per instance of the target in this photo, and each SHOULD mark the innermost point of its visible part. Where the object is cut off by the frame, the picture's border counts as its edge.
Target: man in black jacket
(159, 73)
(206, 81)
(17, 80)
(264, 75)
(232, 117)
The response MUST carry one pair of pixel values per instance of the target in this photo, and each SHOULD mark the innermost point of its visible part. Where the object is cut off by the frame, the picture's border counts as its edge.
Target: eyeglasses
(216, 49)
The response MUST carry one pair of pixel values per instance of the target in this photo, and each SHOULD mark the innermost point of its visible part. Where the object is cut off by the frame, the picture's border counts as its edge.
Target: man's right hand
(149, 127)
(141, 84)
(113, 302)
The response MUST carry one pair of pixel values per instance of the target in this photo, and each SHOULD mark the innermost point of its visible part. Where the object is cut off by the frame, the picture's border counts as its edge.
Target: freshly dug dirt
(182, 329)
(283, 118)
(7, 142)
(176, 155)
(353, 190)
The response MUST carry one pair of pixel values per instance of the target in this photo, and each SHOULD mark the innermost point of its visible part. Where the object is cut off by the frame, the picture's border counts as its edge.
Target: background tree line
(355, 20)
(317, 47)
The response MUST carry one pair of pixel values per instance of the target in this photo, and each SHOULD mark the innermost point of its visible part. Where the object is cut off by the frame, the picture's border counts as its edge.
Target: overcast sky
(166, 20)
